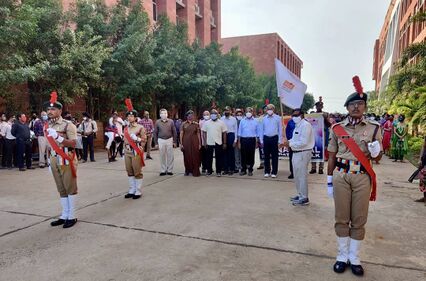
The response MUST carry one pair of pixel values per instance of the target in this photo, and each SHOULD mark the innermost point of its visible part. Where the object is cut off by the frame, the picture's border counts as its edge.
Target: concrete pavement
(185, 228)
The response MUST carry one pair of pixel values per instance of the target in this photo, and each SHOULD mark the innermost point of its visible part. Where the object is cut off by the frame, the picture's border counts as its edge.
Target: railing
(180, 3)
(198, 11)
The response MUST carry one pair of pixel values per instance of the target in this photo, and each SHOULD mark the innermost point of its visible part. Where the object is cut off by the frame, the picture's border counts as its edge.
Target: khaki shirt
(65, 129)
(139, 131)
(362, 134)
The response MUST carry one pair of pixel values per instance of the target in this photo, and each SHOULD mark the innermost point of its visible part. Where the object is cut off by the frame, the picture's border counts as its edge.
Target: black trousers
(218, 152)
(23, 151)
(270, 148)
(3, 151)
(88, 144)
(229, 155)
(248, 149)
(204, 158)
(290, 155)
(10, 153)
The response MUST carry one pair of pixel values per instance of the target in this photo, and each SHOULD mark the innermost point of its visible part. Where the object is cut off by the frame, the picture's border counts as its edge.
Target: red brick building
(262, 50)
(397, 33)
(201, 16)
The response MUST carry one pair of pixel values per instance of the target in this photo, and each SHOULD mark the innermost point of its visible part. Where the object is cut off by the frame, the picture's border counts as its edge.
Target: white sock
(65, 208)
(138, 186)
(71, 204)
(132, 185)
(354, 247)
(343, 249)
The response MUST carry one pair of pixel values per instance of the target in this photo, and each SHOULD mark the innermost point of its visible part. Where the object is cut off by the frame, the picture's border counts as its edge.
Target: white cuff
(59, 139)
(329, 179)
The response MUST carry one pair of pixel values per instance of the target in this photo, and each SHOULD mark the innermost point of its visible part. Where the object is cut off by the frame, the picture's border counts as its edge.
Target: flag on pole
(290, 89)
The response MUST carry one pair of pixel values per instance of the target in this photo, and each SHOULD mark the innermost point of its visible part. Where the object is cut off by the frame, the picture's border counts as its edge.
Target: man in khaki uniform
(349, 181)
(134, 137)
(62, 137)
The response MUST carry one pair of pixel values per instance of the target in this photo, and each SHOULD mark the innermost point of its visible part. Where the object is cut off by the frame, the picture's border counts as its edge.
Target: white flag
(290, 89)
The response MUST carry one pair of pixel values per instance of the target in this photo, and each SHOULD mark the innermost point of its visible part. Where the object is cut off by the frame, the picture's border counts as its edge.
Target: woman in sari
(399, 140)
(190, 140)
(387, 134)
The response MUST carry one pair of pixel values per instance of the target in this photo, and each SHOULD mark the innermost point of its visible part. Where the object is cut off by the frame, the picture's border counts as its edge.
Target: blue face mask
(44, 117)
(213, 116)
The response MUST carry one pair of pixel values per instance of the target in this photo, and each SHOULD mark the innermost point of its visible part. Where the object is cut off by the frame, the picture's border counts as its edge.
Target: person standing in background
(260, 114)
(147, 123)
(42, 141)
(231, 141)
(248, 132)
(289, 134)
(239, 116)
(190, 140)
(10, 143)
(3, 124)
(204, 157)
(21, 131)
(88, 129)
(166, 136)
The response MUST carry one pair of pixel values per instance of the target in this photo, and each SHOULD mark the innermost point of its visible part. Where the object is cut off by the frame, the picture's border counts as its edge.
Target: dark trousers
(23, 151)
(290, 155)
(270, 148)
(218, 152)
(204, 158)
(88, 144)
(10, 153)
(229, 155)
(3, 151)
(248, 149)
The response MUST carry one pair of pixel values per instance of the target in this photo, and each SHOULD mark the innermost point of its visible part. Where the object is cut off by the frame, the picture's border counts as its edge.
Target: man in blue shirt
(229, 154)
(270, 138)
(289, 134)
(247, 134)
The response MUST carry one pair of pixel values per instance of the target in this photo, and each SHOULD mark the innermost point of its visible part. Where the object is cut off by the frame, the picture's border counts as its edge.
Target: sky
(334, 38)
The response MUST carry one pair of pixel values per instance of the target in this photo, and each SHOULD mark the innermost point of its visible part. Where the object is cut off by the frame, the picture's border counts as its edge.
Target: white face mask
(249, 114)
(297, 119)
(206, 117)
(44, 117)
(270, 112)
(84, 118)
(163, 115)
(240, 117)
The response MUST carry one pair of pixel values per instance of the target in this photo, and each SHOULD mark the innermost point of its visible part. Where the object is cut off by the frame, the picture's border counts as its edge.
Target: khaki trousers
(133, 166)
(351, 200)
(42, 149)
(166, 155)
(65, 182)
(148, 145)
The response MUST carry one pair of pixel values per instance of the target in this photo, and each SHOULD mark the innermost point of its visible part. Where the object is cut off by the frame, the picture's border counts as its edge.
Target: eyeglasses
(358, 103)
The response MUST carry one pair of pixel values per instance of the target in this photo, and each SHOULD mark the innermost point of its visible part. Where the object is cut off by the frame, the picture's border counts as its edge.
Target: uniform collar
(346, 122)
(56, 120)
(133, 124)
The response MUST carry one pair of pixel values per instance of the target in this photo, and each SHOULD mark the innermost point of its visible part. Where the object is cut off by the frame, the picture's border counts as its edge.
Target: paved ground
(184, 228)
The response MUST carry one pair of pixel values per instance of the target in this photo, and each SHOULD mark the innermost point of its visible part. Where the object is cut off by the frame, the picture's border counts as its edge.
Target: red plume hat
(53, 102)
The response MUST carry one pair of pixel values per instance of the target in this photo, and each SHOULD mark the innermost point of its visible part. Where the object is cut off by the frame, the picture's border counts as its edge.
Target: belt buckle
(354, 167)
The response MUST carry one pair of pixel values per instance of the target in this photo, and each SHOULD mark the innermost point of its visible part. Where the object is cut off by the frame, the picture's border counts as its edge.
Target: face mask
(3, 118)
(190, 117)
(296, 119)
(400, 119)
(163, 116)
(227, 114)
(44, 117)
(206, 117)
(249, 114)
(270, 112)
(240, 118)
(84, 118)
(213, 117)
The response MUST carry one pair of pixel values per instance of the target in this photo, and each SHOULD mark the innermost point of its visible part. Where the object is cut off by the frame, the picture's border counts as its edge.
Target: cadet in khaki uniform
(62, 137)
(134, 136)
(349, 181)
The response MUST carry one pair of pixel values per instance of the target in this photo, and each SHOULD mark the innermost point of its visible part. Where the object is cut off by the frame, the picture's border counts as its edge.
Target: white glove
(52, 133)
(330, 186)
(134, 137)
(374, 148)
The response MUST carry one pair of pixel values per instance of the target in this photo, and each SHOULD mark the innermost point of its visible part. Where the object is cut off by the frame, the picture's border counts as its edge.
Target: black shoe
(236, 171)
(163, 174)
(243, 173)
(208, 174)
(41, 167)
(169, 173)
(149, 157)
(30, 168)
(84, 161)
(321, 172)
(22, 169)
(421, 200)
(69, 223)
(128, 195)
(340, 267)
(250, 174)
(137, 196)
(224, 173)
(291, 176)
(261, 167)
(92, 160)
(313, 171)
(57, 222)
(357, 270)
(231, 173)
(218, 175)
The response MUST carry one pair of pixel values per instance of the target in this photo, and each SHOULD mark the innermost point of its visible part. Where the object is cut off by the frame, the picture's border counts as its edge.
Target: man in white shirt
(214, 132)
(88, 129)
(231, 141)
(301, 144)
(10, 143)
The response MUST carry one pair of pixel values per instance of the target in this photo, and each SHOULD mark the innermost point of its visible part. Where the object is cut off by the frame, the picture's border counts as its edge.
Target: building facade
(398, 32)
(202, 16)
(262, 50)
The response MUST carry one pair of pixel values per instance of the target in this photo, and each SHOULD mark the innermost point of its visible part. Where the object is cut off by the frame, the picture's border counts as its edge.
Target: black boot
(57, 222)
(340, 267)
(357, 270)
(128, 195)
(70, 223)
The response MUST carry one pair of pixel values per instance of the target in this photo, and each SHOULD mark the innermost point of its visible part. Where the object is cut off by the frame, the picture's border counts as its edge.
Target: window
(154, 10)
